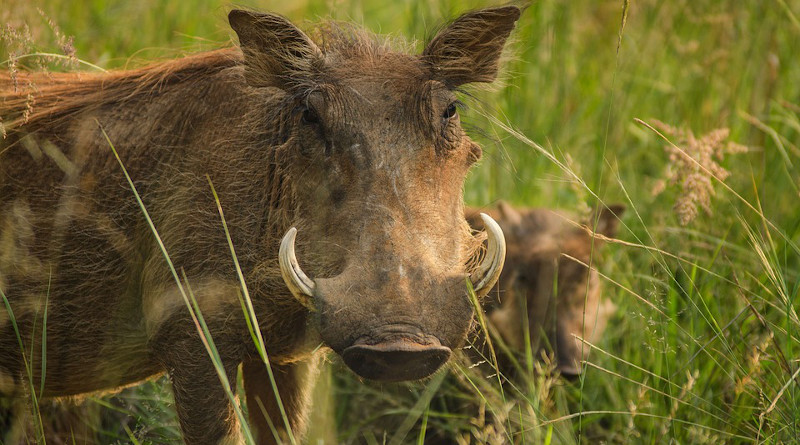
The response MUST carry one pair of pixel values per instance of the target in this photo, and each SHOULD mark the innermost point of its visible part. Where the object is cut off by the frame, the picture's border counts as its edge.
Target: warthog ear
(608, 219)
(276, 53)
(509, 213)
(469, 49)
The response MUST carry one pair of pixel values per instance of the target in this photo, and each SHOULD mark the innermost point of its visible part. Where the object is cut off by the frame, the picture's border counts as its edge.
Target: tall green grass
(703, 347)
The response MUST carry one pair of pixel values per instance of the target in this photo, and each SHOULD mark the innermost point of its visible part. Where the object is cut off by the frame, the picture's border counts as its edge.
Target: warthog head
(546, 288)
(377, 160)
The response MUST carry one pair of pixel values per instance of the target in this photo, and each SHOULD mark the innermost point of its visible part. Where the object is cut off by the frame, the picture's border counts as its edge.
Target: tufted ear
(469, 49)
(276, 53)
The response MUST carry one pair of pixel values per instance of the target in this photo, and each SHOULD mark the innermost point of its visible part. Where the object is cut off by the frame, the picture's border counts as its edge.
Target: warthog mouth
(397, 359)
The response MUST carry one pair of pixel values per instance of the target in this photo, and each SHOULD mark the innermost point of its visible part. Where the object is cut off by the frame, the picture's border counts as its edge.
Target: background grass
(703, 347)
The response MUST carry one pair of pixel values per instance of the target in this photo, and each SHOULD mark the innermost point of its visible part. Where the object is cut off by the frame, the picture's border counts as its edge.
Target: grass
(703, 347)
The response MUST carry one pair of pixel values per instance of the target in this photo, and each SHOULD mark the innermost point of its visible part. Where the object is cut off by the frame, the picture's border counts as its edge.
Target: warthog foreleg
(205, 412)
(294, 382)
(204, 408)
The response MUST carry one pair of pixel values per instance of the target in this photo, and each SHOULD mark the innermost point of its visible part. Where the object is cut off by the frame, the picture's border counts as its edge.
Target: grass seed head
(693, 163)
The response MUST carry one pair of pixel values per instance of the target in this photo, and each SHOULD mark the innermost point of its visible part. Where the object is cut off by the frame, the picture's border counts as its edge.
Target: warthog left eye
(451, 111)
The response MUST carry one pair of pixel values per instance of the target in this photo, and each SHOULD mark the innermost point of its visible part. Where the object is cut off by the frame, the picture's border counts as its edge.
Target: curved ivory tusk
(489, 270)
(298, 282)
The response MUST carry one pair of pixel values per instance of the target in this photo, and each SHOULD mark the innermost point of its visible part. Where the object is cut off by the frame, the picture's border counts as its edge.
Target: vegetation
(686, 111)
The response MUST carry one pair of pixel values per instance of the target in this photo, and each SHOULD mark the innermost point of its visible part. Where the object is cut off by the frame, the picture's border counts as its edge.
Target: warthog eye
(310, 116)
(450, 111)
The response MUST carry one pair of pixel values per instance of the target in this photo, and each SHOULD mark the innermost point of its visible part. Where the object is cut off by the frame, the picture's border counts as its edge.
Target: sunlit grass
(703, 347)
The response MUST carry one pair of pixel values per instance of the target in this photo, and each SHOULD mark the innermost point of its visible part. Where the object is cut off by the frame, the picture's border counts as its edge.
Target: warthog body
(546, 289)
(357, 146)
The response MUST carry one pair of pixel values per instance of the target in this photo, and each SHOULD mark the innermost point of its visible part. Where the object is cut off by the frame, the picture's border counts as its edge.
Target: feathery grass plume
(17, 41)
(693, 162)
(486, 431)
(691, 379)
(546, 377)
(642, 402)
(753, 375)
(65, 44)
(20, 44)
(699, 435)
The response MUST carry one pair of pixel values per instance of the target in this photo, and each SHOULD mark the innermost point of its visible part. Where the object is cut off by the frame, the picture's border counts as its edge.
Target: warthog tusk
(298, 282)
(489, 270)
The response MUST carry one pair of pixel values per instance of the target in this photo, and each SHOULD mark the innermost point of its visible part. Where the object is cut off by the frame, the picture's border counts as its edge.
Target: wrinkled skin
(357, 146)
(542, 285)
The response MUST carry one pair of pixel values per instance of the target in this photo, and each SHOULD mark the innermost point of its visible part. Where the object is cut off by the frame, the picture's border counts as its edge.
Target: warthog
(337, 142)
(543, 290)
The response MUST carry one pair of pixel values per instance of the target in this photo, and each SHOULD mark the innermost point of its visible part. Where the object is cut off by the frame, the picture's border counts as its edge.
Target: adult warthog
(331, 140)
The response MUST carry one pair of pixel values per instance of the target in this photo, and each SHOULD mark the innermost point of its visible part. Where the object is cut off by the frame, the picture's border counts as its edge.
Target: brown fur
(339, 136)
(539, 261)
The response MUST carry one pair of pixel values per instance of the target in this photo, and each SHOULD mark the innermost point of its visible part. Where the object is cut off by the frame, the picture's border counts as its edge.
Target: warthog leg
(204, 409)
(294, 382)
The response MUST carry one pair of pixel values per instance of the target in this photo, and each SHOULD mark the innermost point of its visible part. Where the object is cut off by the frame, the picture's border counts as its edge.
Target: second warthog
(547, 298)
(331, 140)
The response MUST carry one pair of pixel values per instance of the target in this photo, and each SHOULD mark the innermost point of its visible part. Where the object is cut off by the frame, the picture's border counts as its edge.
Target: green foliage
(703, 347)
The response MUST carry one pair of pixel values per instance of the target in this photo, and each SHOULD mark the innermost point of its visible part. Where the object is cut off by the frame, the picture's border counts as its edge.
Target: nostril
(395, 361)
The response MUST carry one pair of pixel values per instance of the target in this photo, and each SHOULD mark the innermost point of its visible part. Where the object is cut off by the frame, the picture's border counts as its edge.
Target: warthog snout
(391, 315)
(396, 357)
